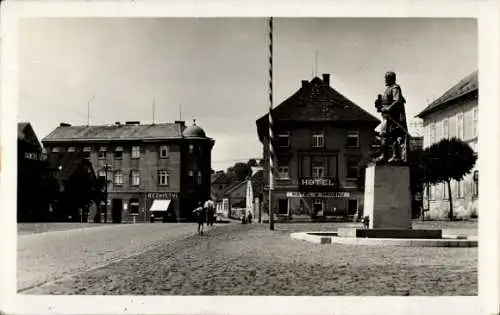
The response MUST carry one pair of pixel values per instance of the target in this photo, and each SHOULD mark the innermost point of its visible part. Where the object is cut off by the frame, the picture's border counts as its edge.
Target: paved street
(237, 259)
(47, 256)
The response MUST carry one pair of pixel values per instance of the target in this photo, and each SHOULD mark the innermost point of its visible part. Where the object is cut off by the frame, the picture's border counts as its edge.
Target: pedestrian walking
(210, 209)
(200, 216)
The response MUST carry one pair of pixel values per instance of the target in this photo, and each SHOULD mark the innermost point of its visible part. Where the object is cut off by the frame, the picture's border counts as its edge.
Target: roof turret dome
(194, 131)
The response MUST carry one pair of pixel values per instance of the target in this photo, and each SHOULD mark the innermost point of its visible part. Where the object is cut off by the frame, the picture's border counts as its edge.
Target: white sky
(218, 68)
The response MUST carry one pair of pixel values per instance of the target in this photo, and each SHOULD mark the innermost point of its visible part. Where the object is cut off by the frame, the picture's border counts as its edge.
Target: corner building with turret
(155, 172)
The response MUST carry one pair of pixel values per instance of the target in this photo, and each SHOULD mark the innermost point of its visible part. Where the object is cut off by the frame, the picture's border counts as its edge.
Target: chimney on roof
(305, 83)
(326, 79)
(132, 122)
(64, 125)
(182, 123)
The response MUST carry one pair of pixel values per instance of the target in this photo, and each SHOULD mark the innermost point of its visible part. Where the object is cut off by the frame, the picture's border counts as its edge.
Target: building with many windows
(321, 141)
(454, 114)
(155, 170)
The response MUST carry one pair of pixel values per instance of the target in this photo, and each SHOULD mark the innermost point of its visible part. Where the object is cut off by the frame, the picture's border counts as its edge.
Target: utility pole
(271, 134)
(106, 169)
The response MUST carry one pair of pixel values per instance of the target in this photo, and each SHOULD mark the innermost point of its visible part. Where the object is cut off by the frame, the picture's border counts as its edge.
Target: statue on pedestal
(393, 130)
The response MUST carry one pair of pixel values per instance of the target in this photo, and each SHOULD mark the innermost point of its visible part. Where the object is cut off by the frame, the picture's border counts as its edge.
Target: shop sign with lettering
(339, 194)
(161, 195)
(35, 156)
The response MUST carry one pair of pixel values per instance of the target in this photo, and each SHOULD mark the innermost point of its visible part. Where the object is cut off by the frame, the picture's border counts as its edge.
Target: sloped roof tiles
(115, 132)
(465, 86)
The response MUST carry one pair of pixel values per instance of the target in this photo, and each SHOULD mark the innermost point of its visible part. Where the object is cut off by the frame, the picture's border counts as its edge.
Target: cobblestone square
(240, 259)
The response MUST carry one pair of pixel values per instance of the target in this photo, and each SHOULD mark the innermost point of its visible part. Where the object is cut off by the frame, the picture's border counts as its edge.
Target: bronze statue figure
(393, 129)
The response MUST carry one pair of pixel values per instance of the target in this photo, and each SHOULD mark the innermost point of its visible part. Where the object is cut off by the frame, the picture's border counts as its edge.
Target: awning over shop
(160, 205)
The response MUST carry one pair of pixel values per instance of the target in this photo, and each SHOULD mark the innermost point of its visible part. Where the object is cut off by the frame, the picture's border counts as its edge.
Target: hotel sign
(339, 194)
(323, 184)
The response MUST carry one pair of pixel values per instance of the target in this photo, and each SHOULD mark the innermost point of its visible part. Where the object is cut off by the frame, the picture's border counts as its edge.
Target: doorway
(352, 207)
(283, 206)
(116, 212)
(318, 206)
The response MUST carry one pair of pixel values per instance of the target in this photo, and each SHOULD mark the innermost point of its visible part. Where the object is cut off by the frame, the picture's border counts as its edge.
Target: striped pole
(271, 134)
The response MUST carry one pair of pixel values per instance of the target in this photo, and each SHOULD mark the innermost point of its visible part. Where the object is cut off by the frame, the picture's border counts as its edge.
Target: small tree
(446, 160)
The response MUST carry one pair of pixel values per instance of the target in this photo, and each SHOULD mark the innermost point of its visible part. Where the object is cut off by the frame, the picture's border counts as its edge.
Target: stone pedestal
(388, 197)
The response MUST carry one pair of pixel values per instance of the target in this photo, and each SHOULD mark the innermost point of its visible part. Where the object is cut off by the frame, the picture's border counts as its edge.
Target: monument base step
(389, 233)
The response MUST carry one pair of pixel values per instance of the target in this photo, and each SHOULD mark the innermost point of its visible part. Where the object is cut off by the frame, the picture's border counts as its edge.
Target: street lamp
(107, 167)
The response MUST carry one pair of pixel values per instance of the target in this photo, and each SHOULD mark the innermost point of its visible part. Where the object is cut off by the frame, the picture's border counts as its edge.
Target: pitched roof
(318, 101)
(465, 86)
(257, 182)
(115, 132)
(233, 187)
(26, 133)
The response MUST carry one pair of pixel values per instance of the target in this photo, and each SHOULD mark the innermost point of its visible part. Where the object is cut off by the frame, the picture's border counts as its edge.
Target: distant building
(454, 114)
(153, 170)
(321, 141)
(219, 182)
(31, 173)
(236, 194)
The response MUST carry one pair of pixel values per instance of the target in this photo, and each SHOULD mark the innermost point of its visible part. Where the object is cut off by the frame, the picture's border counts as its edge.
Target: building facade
(32, 206)
(321, 141)
(156, 170)
(453, 115)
